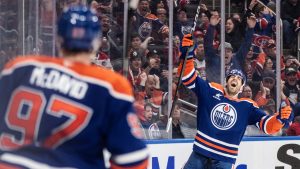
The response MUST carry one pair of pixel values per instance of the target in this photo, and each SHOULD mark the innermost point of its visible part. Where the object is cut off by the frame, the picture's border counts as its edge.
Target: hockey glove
(187, 45)
(284, 114)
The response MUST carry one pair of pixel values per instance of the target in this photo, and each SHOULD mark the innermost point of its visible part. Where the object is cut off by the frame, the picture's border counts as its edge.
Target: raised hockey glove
(284, 114)
(187, 46)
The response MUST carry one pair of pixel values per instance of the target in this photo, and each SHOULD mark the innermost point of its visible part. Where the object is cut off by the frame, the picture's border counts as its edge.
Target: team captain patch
(223, 116)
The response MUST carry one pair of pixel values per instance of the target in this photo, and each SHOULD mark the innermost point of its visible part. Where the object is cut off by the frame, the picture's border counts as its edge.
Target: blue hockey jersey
(222, 121)
(60, 114)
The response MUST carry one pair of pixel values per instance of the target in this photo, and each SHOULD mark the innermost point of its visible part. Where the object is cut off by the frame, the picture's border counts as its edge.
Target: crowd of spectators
(249, 45)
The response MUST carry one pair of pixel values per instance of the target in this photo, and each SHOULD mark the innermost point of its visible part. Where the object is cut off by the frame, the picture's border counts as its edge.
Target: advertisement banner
(254, 153)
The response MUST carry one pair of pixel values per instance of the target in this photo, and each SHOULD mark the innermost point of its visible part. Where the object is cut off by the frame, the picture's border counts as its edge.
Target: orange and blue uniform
(221, 120)
(60, 114)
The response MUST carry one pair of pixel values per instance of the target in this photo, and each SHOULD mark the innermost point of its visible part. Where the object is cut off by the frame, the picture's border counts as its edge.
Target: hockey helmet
(237, 72)
(78, 27)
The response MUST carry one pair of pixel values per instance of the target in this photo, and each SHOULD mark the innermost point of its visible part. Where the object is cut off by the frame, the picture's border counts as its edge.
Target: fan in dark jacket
(232, 60)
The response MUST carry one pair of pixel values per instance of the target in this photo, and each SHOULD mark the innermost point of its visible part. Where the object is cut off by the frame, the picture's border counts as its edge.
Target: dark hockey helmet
(237, 72)
(78, 28)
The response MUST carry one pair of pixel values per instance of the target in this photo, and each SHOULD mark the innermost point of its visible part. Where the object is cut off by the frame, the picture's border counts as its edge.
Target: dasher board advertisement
(254, 153)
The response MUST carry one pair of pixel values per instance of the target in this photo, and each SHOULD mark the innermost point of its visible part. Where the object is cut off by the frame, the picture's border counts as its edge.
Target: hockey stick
(181, 73)
(130, 8)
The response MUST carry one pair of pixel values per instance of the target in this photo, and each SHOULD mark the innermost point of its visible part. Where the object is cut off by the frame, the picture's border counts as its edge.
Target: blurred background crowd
(152, 56)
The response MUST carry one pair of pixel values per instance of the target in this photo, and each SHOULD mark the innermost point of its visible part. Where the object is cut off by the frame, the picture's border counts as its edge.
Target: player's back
(64, 112)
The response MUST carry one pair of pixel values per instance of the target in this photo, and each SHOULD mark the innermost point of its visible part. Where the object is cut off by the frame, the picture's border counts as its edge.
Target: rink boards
(254, 153)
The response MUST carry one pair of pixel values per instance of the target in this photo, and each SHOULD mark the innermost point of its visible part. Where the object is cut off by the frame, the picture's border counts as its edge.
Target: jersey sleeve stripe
(184, 78)
(272, 125)
(261, 123)
(189, 75)
(189, 68)
(191, 86)
(26, 162)
(264, 122)
(131, 157)
(191, 80)
(142, 165)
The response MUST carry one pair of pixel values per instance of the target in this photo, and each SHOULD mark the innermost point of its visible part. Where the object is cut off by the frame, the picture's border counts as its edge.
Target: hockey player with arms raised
(59, 113)
(222, 118)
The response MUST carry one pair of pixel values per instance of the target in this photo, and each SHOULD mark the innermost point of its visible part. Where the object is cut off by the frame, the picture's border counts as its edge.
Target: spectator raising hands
(232, 60)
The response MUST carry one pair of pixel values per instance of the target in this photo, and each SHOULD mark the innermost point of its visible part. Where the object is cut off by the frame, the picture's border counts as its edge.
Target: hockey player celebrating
(222, 118)
(59, 113)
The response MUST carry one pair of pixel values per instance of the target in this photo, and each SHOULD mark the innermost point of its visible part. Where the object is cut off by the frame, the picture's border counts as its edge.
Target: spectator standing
(290, 14)
(136, 75)
(151, 129)
(161, 14)
(155, 4)
(153, 95)
(234, 33)
(247, 92)
(157, 68)
(213, 60)
(203, 23)
(263, 95)
(200, 64)
(165, 51)
(140, 47)
(268, 107)
(291, 84)
(147, 24)
(269, 51)
(269, 64)
(176, 129)
(102, 59)
(111, 31)
(291, 61)
(268, 80)
(179, 128)
(183, 25)
(253, 64)
(111, 40)
(265, 19)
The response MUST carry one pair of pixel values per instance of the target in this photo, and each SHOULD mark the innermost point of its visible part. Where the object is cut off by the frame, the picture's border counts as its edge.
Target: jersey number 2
(24, 113)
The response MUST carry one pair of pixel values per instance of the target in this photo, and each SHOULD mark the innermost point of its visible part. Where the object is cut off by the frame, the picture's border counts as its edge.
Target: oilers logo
(223, 116)
(154, 132)
(145, 30)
